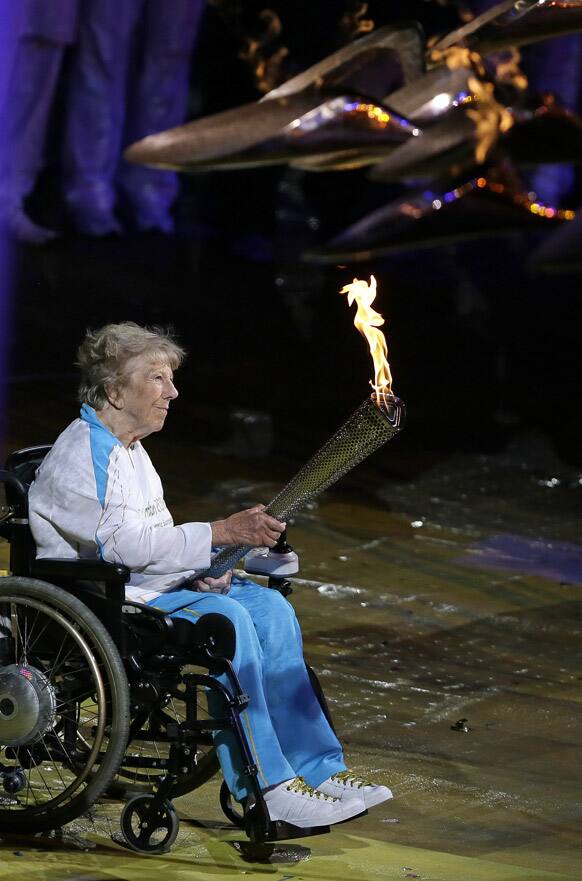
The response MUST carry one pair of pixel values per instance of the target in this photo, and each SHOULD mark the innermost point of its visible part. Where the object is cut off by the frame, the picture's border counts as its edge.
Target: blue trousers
(287, 732)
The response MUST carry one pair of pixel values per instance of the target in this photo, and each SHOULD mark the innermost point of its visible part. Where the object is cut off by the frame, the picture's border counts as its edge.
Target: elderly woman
(98, 494)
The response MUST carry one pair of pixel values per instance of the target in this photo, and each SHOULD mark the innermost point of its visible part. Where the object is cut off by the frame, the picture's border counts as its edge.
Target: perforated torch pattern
(367, 429)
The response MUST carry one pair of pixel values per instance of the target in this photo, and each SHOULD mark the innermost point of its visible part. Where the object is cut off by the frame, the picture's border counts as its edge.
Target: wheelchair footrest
(278, 830)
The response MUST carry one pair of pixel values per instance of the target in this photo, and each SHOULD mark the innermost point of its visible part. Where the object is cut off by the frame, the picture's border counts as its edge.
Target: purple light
(12, 13)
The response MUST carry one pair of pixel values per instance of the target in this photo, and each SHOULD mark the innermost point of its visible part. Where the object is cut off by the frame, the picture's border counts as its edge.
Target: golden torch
(377, 420)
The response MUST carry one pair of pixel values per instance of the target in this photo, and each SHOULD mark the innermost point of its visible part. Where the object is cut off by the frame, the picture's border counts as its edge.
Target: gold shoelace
(299, 785)
(348, 779)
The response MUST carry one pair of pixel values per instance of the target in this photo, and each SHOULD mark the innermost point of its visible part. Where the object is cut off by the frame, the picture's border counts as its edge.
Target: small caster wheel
(227, 804)
(14, 781)
(147, 828)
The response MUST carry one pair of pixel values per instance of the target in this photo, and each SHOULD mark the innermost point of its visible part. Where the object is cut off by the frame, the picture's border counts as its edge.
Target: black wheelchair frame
(98, 695)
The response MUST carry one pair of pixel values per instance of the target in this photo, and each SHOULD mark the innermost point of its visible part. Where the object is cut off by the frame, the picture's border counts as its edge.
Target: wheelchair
(101, 696)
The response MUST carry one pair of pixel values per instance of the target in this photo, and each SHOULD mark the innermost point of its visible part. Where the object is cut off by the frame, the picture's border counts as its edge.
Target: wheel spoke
(55, 763)
(16, 634)
(32, 626)
(82, 696)
(42, 632)
(52, 672)
(28, 778)
(47, 787)
(25, 637)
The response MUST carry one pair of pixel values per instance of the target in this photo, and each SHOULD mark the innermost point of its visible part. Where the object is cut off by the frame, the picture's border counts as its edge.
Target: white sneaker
(346, 785)
(295, 802)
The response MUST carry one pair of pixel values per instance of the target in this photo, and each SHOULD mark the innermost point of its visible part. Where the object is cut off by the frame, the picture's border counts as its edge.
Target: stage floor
(429, 598)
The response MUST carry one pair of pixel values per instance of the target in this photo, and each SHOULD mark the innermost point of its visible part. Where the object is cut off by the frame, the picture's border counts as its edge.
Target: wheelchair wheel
(149, 829)
(64, 706)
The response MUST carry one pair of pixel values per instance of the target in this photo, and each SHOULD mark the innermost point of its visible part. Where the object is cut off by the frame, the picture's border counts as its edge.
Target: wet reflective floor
(443, 614)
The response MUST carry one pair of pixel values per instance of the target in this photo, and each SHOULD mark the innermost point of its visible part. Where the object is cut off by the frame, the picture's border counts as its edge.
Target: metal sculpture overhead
(447, 113)
(334, 107)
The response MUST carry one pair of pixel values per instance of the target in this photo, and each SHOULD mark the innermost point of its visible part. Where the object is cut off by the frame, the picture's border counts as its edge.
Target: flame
(368, 322)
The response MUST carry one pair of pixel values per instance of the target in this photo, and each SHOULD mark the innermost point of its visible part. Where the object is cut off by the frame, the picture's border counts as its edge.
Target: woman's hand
(215, 585)
(251, 527)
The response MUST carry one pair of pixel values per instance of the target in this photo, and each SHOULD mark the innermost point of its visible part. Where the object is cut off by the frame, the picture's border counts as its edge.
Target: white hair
(104, 353)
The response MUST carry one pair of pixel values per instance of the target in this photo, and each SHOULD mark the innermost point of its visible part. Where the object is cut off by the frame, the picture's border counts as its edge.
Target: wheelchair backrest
(17, 475)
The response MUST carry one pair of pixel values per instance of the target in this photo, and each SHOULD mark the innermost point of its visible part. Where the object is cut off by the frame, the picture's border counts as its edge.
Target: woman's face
(144, 398)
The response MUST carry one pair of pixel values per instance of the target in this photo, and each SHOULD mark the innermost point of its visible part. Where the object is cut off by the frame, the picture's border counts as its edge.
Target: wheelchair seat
(102, 695)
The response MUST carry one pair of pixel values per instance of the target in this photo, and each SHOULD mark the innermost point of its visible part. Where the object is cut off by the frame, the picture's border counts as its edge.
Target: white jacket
(92, 497)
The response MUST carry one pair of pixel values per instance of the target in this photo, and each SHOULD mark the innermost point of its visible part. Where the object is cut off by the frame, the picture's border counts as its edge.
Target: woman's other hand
(215, 585)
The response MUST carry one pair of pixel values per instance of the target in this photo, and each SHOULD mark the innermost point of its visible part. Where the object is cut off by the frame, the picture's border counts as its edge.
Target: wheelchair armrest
(92, 570)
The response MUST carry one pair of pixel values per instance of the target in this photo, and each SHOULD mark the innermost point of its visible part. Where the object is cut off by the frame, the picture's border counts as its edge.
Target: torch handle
(367, 429)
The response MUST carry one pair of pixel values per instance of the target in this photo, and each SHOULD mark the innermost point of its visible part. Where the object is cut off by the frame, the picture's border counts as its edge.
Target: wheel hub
(28, 705)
